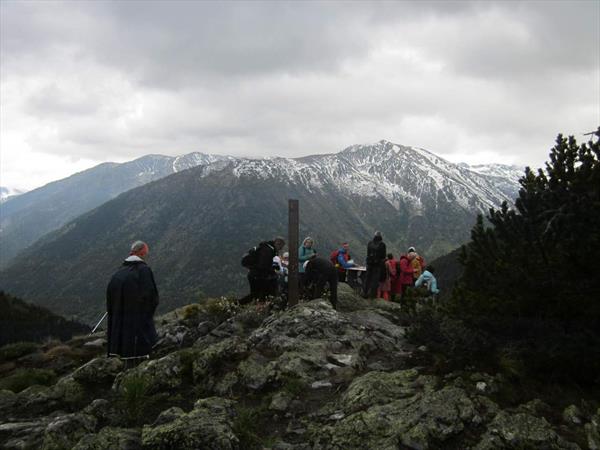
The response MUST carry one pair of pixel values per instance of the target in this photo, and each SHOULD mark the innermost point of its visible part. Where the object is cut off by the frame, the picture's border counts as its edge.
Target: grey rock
(101, 370)
(7, 400)
(572, 415)
(168, 415)
(111, 438)
(321, 384)
(592, 431)
(65, 431)
(100, 409)
(204, 328)
(208, 425)
(521, 430)
(281, 401)
(96, 343)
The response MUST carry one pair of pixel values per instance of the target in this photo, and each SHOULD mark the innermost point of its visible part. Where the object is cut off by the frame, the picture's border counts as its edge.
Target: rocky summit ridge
(308, 377)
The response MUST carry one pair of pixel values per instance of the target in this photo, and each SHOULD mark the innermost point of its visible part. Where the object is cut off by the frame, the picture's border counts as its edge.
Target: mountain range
(199, 222)
(29, 216)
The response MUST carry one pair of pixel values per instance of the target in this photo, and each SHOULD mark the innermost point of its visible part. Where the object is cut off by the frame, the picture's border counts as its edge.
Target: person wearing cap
(131, 300)
(376, 254)
(342, 261)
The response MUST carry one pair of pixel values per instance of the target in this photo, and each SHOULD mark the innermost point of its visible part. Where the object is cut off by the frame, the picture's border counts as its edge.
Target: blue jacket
(341, 259)
(427, 277)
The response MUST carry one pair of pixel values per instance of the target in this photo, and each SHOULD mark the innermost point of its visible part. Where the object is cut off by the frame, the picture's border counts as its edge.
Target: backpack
(333, 257)
(250, 259)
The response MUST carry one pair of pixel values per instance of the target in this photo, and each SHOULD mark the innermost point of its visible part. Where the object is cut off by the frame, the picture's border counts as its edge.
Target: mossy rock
(208, 425)
(65, 431)
(111, 438)
(520, 431)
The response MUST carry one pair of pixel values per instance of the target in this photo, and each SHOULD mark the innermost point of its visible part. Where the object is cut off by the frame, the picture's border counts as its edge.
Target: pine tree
(541, 260)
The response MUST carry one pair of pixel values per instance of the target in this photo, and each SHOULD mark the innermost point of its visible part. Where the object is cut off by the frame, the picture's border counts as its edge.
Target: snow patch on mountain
(6, 192)
(396, 173)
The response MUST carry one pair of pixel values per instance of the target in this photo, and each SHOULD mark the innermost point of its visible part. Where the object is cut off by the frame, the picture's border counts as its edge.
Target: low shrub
(23, 378)
(58, 351)
(220, 309)
(460, 344)
(16, 350)
(134, 398)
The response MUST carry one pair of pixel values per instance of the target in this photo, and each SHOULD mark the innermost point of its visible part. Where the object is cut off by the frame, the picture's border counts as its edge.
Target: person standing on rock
(417, 262)
(376, 253)
(262, 275)
(319, 272)
(131, 300)
(305, 252)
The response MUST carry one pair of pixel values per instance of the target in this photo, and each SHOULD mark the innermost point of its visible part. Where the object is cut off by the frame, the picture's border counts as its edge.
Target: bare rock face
(309, 377)
(208, 425)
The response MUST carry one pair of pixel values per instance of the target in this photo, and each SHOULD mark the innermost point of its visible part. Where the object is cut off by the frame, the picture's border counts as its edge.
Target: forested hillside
(21, 321)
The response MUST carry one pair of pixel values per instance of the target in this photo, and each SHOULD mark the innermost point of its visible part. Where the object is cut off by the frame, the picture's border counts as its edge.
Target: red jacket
(406, 271)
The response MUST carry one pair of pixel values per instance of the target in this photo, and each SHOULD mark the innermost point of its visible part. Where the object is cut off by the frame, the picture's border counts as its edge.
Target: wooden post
(293, 232)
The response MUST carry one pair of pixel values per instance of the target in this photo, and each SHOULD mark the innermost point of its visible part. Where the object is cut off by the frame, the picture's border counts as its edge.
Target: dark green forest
(528, 299)
(21, 321)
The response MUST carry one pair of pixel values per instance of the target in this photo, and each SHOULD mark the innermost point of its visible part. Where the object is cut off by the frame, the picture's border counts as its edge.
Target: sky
(479, 82)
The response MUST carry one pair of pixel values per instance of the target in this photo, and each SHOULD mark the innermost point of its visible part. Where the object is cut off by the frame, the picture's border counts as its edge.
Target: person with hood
(417, 262)
(262, 275)
(131, 300)
(428, 280)
(385, 287)
(405, 277)
(376, 253)
(319, 272)
(342, 260)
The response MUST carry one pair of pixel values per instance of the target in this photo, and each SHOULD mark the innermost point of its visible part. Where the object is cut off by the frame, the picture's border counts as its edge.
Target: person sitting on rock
(131, 300)
(319, 272)
(427, 279)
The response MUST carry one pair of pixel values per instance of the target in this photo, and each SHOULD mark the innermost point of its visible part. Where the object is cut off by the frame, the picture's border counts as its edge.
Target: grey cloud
(293, 78)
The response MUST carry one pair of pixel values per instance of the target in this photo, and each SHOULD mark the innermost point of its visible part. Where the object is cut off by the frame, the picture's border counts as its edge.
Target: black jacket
(376, 252)
(319, 268)
(131, 299)
(265, 252)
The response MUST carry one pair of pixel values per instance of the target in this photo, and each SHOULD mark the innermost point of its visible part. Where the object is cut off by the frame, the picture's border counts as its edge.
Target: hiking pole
(98, 324)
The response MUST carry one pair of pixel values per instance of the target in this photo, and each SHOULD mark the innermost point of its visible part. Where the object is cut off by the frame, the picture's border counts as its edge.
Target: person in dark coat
(131, 299)
(376, 253)
(262, 275)
(319, 272)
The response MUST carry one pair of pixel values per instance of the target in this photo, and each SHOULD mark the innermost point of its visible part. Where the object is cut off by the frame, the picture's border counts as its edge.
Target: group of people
(132, 295)
(387, 277)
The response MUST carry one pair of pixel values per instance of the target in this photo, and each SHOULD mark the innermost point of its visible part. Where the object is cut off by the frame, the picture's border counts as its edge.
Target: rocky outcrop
(308, 377)
(207, 425)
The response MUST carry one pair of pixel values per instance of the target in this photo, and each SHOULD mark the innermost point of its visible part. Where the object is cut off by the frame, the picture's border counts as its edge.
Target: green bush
(24, 378)
(530, 273)
(450, 337)
(220, 309)
(134, 398)
(16, 350)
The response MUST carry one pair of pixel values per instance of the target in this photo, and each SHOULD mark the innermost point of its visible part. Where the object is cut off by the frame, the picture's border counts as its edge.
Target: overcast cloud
(87, 82)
